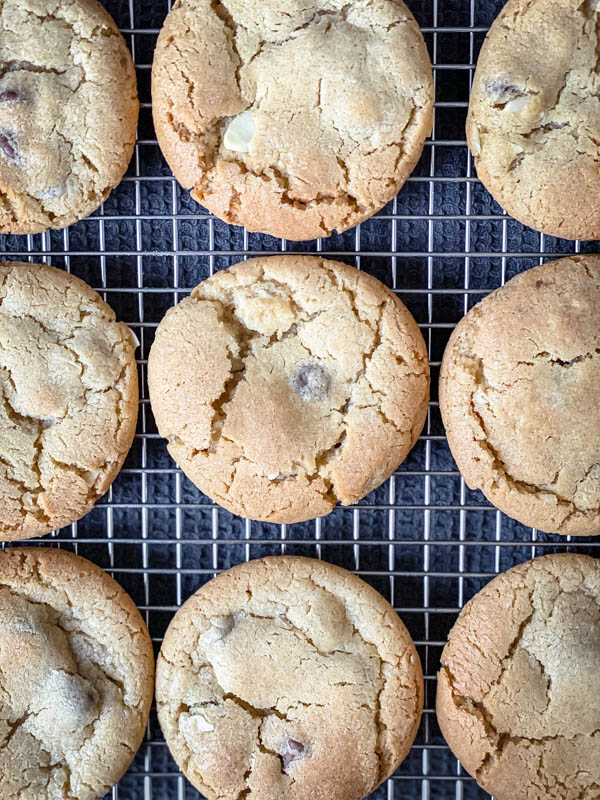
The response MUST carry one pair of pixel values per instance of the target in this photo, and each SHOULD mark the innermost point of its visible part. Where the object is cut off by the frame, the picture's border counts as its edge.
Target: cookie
(68, 112)
(519, 396)
(77, 676)
(288, 383)
(69, 396)
(288, 678)
(533, 124)
(518, 697)
(294, 119)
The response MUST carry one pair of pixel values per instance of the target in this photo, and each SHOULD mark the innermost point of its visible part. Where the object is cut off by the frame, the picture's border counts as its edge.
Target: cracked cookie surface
(288, 678)
(68, 398)
(519, 687)
(68, 111)
(534, 115)
(340, 94)
(76, 677)
(519, 396)
(286, 384)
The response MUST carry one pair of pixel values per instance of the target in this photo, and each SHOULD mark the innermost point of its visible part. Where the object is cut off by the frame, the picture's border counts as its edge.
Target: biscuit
(519, 396)
(288, 383)
(294, 119)
(77, 675)
(518, 696)
(69, 396)
(68, 112)
(533, 125)
(288, 678)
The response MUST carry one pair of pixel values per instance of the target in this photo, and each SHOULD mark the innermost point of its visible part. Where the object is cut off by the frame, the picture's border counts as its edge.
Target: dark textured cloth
(403, 538)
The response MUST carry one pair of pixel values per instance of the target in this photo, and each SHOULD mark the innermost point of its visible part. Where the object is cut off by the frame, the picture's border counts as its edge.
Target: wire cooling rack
(423, 539)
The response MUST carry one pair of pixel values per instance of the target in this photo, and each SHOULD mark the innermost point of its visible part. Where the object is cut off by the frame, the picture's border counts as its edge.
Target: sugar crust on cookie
(519, 688)
(534, 125)
(519, 396)
(68, 111)
(341, 95)
(225, 374)
(288, 678)
(68, 398)
(77, 671)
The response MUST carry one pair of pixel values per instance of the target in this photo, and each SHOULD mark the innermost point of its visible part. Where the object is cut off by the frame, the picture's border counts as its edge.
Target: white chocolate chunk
(201, 724)
(518, 105)
(267, 313)
(191, 725)
(240, 132)
(476, 141)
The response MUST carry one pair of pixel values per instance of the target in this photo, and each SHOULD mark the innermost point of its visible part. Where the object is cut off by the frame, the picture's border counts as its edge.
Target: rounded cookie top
(290, 117)
(519, 392)
(288, 383)
(68, 111)
(77, 675)
(69, 395)
(519, 687)
(534, 123)
(288, 678)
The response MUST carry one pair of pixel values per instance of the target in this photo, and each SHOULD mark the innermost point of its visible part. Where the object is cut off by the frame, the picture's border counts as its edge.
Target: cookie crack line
(94, 194)
(274, 173)
(100, 30)
(87, 668)
(584, 26)
(512, 648)
(497, 740)
(238, 370)
(223, 14)
(261, 714)
(354, 205)
(29, 66)
(327, 15)
(366, 639)
(501, 467)
(22, 422)
(15, 727)
(29, 209)
(245, 339)
(70, 632)
(545, 356)
(275, 334)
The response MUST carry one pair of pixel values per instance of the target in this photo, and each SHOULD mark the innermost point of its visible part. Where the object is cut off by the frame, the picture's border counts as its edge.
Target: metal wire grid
(424, 540)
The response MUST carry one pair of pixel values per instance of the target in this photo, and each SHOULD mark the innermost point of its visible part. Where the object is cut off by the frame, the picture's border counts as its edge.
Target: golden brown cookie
(519, 689)
(534, 124)
(519, 396)
(293, 118)
(77, 670)
(69, 397)
(68, 112)
(285, 679)
(288, 383)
